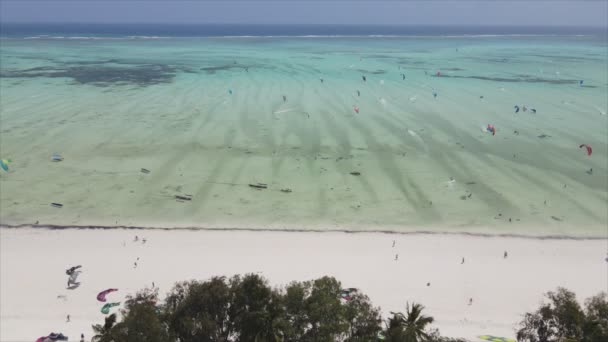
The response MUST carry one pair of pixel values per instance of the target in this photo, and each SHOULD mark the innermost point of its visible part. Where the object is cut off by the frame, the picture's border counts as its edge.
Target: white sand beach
(33, 263)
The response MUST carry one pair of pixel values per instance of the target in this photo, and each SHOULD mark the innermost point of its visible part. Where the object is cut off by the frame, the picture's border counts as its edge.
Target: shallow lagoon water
(207, 117)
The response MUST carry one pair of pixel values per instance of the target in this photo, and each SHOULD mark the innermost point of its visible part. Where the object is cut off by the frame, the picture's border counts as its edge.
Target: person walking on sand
(396, 257)
(67, 319)
(462, 262)
(470, 301)
(505, 255)
(136, 238)
(81, 337)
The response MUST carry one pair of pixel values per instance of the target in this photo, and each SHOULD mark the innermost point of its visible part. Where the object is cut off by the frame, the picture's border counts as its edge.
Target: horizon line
(299, 24)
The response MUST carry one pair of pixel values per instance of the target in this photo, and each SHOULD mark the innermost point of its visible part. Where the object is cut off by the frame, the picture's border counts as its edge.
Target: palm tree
(410, 327)
(103, 333)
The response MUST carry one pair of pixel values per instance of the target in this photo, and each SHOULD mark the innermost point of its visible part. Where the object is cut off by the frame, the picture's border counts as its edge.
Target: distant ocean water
(19, 30)
(350, 127)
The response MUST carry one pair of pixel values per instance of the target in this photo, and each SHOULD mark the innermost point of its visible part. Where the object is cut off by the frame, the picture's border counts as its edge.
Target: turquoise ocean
(379, 129)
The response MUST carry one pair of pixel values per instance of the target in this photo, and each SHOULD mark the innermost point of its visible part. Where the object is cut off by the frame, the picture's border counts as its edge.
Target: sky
(405, 12)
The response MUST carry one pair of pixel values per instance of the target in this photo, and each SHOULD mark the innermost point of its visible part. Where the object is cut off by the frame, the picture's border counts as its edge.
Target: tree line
(247, 309)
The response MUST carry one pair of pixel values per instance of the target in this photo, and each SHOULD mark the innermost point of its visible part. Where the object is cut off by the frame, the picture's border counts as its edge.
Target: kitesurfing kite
(496, 339)
(71, 270)
(106, 308)
(52, 337)
(4, 164)
(491, 128)
(101, 296)
(347, 293)
(589, 150)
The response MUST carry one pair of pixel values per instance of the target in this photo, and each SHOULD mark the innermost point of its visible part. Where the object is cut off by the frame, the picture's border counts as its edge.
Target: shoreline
(311, 230)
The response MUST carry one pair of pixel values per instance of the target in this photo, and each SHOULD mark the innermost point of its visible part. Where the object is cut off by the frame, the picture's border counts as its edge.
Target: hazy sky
(432, 12)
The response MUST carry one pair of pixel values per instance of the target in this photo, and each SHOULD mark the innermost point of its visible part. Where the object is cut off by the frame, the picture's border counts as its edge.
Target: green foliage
(103, 333)
(409, 327)
(247, 309)
(324, 311)
(362, 318)
(595, 328)
(563, 320)
(256, 311)
(199, 311)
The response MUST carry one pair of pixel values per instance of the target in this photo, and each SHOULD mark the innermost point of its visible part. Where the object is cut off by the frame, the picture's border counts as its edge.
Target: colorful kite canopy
(589, 149)
(346, 294)
(496, 339)
(106, 308)
(101, 296)
(4, 164)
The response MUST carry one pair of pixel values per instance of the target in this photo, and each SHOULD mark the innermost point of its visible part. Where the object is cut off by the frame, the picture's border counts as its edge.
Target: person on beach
(470, 301)
(284, 98)
(136, 238)
(81, 337)
(393, 243)
(358, 93)
(364, 78)
(143, 240)
(396, 257)
(505, 255)
(68, 319)
(462, 262)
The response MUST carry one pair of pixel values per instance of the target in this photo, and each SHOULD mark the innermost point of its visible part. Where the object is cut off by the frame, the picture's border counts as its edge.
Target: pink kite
(356, 109)
(589, 150)
(491, 128)
(102, 295)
